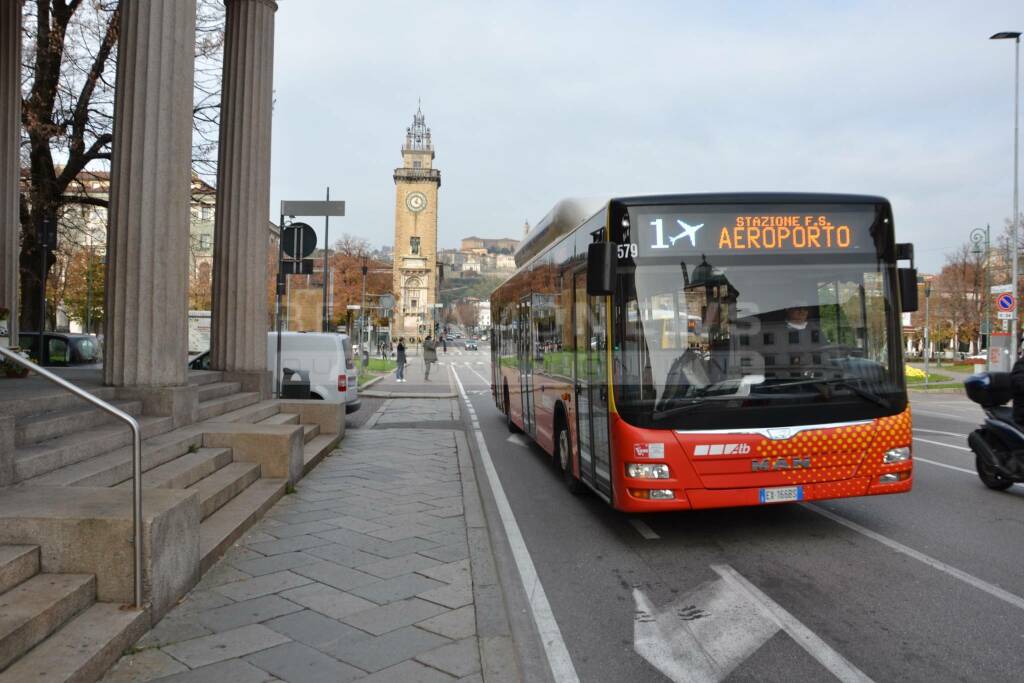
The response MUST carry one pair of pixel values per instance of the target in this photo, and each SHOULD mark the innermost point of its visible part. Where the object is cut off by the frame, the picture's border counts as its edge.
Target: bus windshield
(722, 338)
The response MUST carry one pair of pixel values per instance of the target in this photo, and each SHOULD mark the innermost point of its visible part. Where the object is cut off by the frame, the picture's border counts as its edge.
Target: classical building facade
(415, 252)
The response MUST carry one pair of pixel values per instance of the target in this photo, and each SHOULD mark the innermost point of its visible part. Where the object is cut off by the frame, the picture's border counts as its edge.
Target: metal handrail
(136, 454)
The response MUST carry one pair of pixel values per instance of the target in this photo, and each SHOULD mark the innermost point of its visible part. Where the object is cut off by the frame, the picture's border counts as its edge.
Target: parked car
(327, 358)
(471, 345)
(63, 349)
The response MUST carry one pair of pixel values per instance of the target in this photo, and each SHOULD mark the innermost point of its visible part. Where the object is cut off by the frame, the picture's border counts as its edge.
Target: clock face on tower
(416, 201)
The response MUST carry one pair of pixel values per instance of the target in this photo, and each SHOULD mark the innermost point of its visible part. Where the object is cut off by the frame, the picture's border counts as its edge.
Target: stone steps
(201, 377)
(214, 390)
(224, 485)
(185, 470)
(35, 608)
(317, 449)
(41, 427)
(63, 400)
(310, 432)
(281, 419)
(17, 563)
(115, 467)
(83, 649)
(33, 461)
(223, 404)
(249, 414)
(218, 531)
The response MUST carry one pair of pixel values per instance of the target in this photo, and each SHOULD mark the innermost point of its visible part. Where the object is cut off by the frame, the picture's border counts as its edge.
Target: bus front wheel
(563, 456)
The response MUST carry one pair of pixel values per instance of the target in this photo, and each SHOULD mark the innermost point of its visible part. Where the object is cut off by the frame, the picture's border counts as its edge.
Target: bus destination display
(702, 229)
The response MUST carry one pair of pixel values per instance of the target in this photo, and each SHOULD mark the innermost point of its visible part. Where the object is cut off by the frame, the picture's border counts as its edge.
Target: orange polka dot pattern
(845, 461)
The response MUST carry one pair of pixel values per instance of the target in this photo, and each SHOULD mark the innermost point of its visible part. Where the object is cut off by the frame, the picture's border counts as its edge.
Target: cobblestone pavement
(364, 573)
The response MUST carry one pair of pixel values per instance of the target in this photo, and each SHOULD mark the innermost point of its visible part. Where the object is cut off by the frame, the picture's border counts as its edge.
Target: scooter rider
(1017, 388)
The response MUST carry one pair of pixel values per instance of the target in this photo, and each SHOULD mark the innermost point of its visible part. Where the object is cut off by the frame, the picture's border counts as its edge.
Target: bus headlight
(646, 471)
(895, 455)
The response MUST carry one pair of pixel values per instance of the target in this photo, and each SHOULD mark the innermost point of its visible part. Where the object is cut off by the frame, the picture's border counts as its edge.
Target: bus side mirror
(602, 265)
(908, 289)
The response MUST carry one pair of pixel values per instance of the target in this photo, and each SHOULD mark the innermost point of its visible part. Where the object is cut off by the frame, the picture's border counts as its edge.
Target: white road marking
(485, 380)
(562, 668)
(970, 579)
(939, 443)
(840, 667)
(644, 530)
(942, 464)
(517, 440)
(935, 413)
(702, 636)
(935, 431)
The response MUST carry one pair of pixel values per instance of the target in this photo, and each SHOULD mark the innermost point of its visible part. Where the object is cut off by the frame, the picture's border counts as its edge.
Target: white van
(326, 357)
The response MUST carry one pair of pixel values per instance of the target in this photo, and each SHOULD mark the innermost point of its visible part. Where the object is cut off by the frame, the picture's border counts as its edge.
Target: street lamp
(927, 328)
(1015, 36)
(980, 238)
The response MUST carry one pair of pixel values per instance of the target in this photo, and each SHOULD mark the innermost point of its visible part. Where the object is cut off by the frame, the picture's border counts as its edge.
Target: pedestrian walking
(429, 356)
(400, 361)
(383, 348)
(444, 343)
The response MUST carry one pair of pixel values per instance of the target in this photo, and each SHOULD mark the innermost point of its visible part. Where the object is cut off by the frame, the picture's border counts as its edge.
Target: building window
(414, 304)
(206, 212)
(205, 243)
(769, 338)
(416, 164)
(414, 244)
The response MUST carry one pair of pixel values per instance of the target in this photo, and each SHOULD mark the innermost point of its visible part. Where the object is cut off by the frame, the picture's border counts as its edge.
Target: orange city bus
(697, 351)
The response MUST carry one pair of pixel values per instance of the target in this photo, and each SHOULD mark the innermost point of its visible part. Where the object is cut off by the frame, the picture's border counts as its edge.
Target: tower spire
(417, 136)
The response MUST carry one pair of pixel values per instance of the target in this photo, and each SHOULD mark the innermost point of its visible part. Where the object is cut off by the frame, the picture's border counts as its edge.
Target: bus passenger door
(526, 366)
(590, 318)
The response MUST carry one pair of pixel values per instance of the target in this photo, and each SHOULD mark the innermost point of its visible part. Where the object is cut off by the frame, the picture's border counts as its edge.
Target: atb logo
(687, 231)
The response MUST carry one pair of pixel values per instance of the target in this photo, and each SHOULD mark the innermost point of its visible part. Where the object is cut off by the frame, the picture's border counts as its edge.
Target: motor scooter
(998, 445)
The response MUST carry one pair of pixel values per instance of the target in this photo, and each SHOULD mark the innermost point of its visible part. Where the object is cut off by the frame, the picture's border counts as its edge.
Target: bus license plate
(782, 495)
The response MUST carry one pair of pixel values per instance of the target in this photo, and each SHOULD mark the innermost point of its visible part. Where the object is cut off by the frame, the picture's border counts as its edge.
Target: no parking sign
(1006, 304)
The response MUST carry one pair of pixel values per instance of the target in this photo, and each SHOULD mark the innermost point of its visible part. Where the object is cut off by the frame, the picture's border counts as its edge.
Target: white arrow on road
(705, 634)
(517, 439)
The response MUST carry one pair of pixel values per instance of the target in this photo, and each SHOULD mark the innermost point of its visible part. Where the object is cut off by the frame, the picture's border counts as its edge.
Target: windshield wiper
(678, 410)
(846, 382)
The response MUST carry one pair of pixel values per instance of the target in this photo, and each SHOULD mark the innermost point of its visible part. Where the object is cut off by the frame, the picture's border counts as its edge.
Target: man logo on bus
(659, 234)
(769, 465)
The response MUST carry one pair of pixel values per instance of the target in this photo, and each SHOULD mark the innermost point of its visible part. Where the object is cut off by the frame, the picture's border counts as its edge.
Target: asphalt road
(922, 586)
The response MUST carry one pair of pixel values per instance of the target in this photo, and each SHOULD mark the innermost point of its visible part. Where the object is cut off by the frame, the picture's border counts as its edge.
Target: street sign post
(1006, 302)
(298, 242)
(312, 208)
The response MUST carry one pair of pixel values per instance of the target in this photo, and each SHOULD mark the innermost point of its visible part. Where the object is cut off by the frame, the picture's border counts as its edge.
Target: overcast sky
(531, 102)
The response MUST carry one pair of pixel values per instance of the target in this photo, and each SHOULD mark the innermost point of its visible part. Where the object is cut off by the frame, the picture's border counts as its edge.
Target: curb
(373, 381)
(494, 633)
(400, 394)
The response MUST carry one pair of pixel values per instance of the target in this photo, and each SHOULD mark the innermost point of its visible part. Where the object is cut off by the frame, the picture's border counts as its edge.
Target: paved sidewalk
(378, 568)
(415, 386)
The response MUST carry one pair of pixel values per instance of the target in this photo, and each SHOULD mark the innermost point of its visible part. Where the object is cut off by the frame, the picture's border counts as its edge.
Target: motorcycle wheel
(989, 477)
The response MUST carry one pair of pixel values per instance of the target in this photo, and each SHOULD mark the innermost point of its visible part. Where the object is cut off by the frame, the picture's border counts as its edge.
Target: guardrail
(136, 454)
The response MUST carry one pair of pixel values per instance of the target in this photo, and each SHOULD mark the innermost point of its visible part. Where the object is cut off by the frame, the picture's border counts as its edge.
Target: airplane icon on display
(688, 231)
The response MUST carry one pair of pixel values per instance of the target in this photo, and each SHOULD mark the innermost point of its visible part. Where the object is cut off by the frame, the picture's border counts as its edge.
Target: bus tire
(512, 428)
(563, 459)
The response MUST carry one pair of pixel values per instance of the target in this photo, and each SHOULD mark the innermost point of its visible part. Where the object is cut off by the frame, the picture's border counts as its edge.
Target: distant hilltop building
(501, 245)
(480, 256)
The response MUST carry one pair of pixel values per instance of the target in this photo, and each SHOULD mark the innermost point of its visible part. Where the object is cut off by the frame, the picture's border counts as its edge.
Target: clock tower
(415, 253)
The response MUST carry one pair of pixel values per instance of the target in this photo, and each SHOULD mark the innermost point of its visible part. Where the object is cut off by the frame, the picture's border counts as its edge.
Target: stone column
(240, 321)
(10, 137)
(148, 236)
